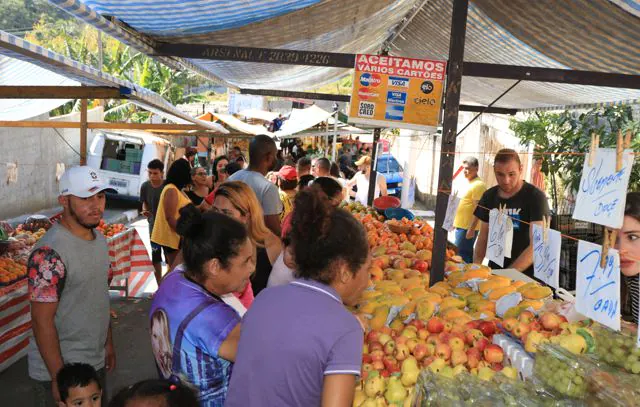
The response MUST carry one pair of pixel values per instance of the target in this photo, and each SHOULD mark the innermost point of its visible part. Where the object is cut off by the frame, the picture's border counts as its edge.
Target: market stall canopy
(590, 35)
(26, 64)
(259, 114)
(241, 126)
(302, 119)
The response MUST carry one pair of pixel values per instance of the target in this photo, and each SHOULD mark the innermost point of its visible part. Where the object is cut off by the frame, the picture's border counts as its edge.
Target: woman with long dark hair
(629, 246)
(172, 199)
(201, 330)
(299, 345)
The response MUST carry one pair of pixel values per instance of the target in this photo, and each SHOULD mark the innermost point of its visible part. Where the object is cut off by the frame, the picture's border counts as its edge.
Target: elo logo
(367, 79)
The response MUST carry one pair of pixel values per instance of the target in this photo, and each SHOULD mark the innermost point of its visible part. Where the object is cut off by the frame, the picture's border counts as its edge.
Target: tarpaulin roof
(241, 126)
(594, 35)
(24, 63)
(302, 119)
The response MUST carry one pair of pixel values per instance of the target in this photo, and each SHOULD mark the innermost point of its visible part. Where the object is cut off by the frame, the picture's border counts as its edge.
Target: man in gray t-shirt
(150, 192)
(69, 289)
(262, 159)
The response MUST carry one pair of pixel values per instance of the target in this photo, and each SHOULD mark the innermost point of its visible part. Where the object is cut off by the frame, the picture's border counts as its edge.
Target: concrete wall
(37, 151)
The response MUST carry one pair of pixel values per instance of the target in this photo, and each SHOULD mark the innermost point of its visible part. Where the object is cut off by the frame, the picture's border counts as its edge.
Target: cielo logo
(367, 79)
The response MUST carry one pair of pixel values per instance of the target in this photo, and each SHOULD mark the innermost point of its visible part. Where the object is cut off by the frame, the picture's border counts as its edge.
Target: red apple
(431, 349)
(433, 339)
(481, 343)
(420, 352)
(509, 324)
(366, 359)
(455, 343)
(378, 365)
(472, 324)
(536, 326)
(402, 352)
(550, 321)
(373, 336)
(390, 348)
(473, 357)
(526, 316)
(390, 363)
(497, 366)
(417, 323)
(493, 354)
(458, 357)
(411, 344)
(375, 346)
(401, 340)
(385, 373)
(472, 335)
(435, 325)
(376, 355)
(443, 351)
(384, 338)
(487, 328)
(444, 337)
(423, 333)
(521, 329)
(421, 265)
(367, 367)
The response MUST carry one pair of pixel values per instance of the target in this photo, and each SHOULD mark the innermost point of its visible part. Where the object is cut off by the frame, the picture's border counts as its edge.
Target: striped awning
(592, 35)
(24, 63)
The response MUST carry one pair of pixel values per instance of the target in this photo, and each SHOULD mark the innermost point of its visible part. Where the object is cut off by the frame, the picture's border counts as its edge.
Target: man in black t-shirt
(524, 202)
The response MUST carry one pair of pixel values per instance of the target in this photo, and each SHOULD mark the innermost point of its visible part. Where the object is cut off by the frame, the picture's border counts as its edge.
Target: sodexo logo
(368, 79)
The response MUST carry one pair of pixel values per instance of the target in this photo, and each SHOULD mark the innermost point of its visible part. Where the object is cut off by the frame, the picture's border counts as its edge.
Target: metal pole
(373, 174)
(83, 131)
(335, 137)
(450, 125)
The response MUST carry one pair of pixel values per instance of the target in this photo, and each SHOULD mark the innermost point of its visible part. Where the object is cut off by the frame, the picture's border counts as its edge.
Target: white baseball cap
(82, 182)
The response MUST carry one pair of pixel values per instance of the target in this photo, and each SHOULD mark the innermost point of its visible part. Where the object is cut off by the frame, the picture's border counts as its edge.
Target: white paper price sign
(452, 208)
(602, 192)
(500, 237)
(597, 288)
(546, 256)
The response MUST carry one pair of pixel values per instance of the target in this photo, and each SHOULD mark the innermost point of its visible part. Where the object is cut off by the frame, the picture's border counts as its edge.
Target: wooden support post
(450, 126)
(83, 131)
(373, 173)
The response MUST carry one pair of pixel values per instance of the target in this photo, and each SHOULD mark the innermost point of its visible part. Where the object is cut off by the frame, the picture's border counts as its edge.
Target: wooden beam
(568, 76)
(100, 125)
(83, 132)
(63, 92)
(450, 126)
(340, 60)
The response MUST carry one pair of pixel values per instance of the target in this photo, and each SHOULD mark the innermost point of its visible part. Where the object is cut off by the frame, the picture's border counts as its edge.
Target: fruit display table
(15, 322)
(128, 254)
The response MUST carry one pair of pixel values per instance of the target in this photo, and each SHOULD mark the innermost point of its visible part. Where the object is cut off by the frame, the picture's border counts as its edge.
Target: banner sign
(397, 92)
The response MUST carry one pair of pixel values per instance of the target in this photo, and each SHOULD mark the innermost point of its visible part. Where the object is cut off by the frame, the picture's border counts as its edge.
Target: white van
(121, 158)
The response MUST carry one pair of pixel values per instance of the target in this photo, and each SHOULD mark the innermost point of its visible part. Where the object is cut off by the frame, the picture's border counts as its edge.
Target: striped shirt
(634, 296)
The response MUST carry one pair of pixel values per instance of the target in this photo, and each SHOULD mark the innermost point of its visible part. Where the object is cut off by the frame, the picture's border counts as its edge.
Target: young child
(155, 393)
(79, 386)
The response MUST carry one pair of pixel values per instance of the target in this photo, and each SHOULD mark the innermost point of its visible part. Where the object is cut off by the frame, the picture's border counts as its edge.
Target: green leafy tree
(557, 135)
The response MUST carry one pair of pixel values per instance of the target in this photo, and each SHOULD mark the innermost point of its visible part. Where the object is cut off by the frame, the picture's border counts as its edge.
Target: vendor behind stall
(628, 244)
(525, 204)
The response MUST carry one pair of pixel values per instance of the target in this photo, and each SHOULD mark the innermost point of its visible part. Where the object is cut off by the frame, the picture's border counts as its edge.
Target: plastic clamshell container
(618, 348)
(560, 370)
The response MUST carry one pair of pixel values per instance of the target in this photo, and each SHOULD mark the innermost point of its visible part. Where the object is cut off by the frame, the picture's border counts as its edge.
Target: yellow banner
(397, 92)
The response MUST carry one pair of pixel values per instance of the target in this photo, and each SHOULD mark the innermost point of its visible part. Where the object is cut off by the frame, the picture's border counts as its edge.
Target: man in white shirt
(361, 180)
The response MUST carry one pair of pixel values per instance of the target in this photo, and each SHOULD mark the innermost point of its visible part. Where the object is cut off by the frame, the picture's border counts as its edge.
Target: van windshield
(121, 156)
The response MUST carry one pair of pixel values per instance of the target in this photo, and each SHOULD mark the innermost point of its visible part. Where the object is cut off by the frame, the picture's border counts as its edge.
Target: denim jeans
(465, 246)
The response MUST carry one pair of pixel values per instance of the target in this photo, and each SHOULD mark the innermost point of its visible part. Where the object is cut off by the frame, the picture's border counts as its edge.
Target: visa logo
(398, 82)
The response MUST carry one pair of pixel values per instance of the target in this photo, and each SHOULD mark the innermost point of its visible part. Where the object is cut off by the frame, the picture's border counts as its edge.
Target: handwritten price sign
(597, 288)
(603, 190)
(500, 237)
(546, 256)
(452, 208)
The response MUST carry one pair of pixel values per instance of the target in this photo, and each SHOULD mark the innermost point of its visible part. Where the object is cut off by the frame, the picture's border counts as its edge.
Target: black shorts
(157, 250)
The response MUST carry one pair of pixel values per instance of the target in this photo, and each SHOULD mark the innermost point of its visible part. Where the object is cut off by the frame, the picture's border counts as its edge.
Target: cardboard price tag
(452, 208)
(603, 188)
(598, 288)
(546, 256)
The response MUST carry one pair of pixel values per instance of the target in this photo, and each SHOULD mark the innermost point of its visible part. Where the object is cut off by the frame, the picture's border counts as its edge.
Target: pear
(370, 402)
(374, 385)
(396, 392)
(437, 365)
(447, 371)
(358, 398)
(533, 340)
(574, 343)
(510, 372)
(459, 369)
(409, 378)
(409, 399)
(486, 373)
(410, 364)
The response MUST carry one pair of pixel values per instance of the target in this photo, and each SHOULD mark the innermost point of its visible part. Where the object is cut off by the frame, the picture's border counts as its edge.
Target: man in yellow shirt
(466, 224)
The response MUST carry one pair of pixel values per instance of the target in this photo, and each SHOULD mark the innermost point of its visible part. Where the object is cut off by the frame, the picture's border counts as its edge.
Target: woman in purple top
(299, 345)
(194, 334)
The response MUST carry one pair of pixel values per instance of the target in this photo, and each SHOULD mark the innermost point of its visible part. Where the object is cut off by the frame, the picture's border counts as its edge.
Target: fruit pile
(34, 224)
(360, 209)
(11, 271)
(28, 237)
(549, 327)
(110, 229)
(559, 369)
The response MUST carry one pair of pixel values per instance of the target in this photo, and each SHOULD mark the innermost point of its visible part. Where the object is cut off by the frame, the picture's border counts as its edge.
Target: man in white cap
(68, 273)
(361, 180)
